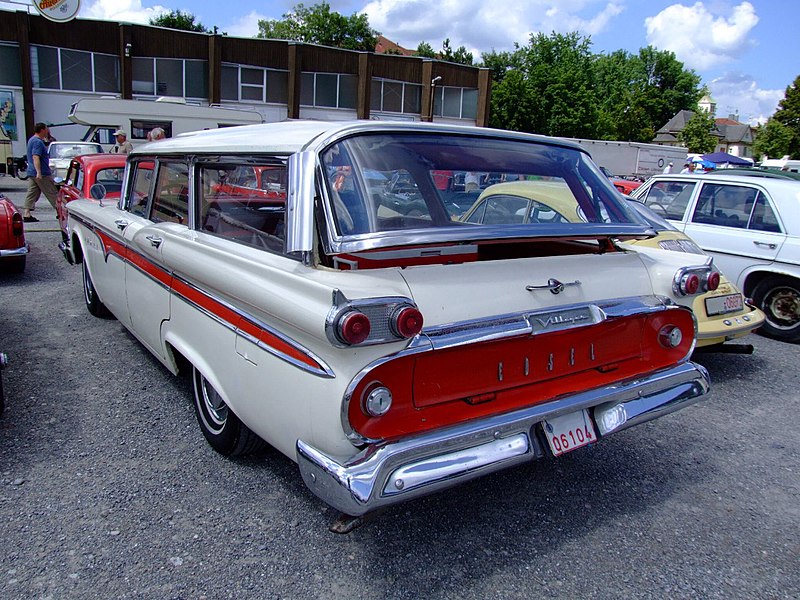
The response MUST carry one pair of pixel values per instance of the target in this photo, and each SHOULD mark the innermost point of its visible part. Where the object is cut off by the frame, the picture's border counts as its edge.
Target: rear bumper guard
(387, 473)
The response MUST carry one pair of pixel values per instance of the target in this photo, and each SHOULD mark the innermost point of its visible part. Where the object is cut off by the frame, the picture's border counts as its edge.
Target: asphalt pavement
(108, 489)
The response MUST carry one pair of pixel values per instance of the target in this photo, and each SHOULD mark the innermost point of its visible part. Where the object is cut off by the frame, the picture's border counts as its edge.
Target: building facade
(45, 67)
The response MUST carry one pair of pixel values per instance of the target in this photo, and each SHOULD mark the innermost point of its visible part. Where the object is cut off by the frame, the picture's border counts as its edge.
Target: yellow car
(722, 314)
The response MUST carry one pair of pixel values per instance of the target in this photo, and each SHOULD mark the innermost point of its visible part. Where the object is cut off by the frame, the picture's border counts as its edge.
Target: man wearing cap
(123, 146)
(668, 169)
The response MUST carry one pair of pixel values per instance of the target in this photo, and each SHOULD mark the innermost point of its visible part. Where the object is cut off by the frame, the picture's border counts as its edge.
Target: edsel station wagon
(391, 352)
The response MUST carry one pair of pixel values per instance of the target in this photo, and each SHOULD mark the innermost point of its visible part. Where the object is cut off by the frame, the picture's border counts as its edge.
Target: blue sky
(746, 52)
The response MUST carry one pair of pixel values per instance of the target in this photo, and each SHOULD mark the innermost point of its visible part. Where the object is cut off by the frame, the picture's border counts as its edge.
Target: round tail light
(689, 285)
(407, 322)
(353, 327)
(712, 281)
(670, 336)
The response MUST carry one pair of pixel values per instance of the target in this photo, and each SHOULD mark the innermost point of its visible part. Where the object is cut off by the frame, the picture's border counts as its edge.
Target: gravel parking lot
(108, 489)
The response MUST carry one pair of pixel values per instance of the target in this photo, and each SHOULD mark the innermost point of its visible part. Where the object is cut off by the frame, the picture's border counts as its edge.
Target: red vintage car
(13, 247)
(84, 172)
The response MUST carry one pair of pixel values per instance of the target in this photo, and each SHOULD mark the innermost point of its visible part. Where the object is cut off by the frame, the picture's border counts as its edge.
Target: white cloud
(128, 11)
(700, 39)
(481, 25)
(246, 26)
(737, 93)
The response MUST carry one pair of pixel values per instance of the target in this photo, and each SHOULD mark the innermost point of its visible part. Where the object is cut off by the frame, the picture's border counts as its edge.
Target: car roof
(289, 137)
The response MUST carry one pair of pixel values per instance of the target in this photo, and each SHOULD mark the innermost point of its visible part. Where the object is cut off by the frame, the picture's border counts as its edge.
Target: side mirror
(97, 191)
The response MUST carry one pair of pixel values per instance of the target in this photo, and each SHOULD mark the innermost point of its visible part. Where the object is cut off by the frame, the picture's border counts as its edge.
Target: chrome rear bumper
(15, 252)
(390, 472)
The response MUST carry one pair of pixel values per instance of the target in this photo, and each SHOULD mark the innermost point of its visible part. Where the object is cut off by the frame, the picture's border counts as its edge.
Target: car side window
(764, 217)
(140, 192)
(171, 194)
(724, 205)
(669, 198)
(235, 207)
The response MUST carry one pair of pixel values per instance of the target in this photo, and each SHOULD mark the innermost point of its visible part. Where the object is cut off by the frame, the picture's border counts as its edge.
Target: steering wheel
(659, 206)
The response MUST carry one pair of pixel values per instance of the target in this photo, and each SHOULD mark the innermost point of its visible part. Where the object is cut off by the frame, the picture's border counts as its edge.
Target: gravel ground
(108, 489)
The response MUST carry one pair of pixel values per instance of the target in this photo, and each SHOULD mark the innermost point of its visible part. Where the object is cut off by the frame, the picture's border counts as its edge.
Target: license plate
(568, 432)
(720, 305)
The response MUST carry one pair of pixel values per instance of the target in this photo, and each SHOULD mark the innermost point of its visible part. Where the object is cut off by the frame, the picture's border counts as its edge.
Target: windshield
(72, 150)
(395, 182)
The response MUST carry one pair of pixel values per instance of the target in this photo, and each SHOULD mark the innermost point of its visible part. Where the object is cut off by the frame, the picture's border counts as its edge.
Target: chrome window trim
(300, 202)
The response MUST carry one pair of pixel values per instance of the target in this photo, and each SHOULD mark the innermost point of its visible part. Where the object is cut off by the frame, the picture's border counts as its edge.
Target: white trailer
(634, 159)
(104, 115)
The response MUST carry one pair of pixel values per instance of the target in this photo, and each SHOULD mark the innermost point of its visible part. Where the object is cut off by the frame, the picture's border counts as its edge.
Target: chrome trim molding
(15, 252)
(444, 458)
(324, 370)
(300, 202)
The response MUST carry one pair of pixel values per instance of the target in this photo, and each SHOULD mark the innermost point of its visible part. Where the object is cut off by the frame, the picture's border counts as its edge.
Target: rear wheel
(779, 298)
(93, 303)
(222, 429)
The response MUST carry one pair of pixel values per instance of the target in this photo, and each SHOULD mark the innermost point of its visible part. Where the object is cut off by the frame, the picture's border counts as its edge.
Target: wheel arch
(753, 278)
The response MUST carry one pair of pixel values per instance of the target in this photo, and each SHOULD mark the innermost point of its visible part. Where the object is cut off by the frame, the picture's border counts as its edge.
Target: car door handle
(769, 245)
(121, 224)
(154, 241)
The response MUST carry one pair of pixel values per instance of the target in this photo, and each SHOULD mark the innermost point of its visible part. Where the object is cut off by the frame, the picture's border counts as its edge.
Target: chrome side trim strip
(358, 484)
(15, 252)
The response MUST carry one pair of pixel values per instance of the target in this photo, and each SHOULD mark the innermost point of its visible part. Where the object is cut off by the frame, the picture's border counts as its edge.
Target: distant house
(732, 136)
(737, 138)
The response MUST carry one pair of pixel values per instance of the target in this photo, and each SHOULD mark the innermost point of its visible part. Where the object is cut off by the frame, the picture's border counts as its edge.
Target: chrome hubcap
(215, 406)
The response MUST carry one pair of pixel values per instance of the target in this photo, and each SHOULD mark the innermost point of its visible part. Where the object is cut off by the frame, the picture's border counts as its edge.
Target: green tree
(696, 135)
(178, 19)
(512, 103)
(460, 55)
(773, 139)
(501, 63)
(788, 114)
(318, 24)
(560, 80)
(426, 50)
(639, 93)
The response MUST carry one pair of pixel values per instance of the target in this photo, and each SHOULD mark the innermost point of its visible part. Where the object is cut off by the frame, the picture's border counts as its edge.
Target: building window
(396, 96)
(64, 69)
(241, 83)
(10, 73)
(328, 90)
(183, 78)
(459, 103)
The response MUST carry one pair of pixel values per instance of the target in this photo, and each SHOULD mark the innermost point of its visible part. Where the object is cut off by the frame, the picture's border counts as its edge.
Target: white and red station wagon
(319, 282)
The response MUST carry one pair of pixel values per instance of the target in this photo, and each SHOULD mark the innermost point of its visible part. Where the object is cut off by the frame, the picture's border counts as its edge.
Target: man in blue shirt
(41, 178)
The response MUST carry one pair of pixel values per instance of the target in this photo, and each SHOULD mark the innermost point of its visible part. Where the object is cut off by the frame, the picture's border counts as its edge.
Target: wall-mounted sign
(59, 11)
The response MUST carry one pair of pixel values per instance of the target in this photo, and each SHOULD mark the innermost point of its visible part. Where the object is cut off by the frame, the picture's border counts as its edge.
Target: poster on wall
(8, 116)
(59, 11)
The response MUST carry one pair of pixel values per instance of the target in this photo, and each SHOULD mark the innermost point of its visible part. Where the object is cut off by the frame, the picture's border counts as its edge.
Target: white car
(61, 153)
(751, 226)
(391, 351)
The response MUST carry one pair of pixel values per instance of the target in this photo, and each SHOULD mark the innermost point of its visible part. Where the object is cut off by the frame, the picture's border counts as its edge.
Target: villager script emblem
(554, 320)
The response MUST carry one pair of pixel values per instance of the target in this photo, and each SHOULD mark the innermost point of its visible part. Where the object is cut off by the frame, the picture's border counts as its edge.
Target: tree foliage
(788, 114)
(575, 93)
(460, 55)
(318, 24)
(178, 19)
(696, 135)
(773, 139)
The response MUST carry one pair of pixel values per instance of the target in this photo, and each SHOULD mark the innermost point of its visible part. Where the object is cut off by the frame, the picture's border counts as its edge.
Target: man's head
(40, 129)
(157, 134)
(121, 135)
